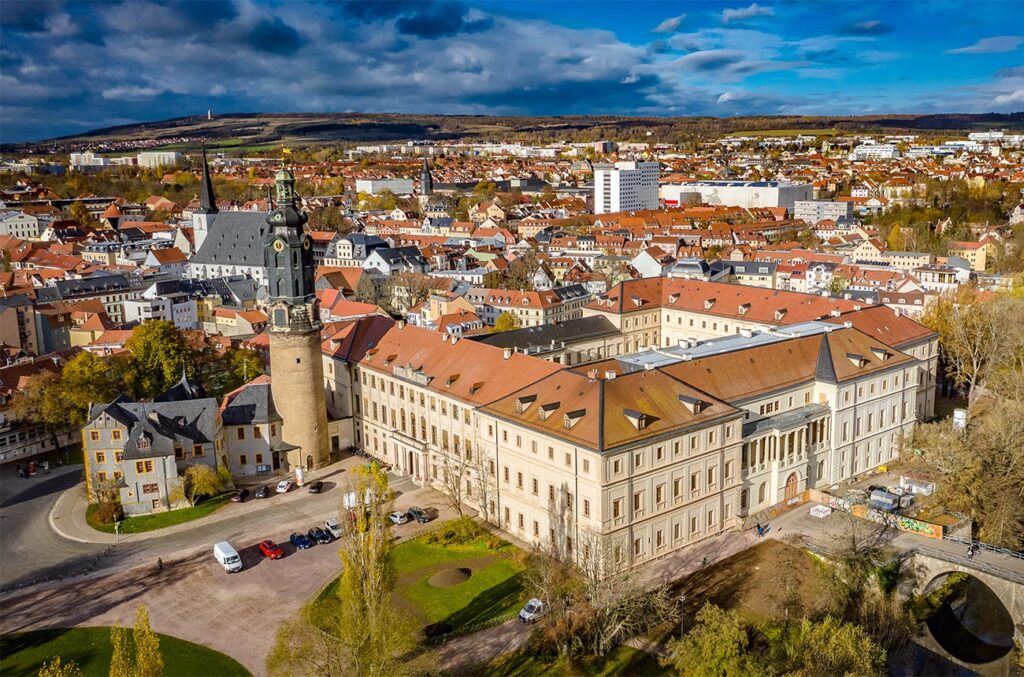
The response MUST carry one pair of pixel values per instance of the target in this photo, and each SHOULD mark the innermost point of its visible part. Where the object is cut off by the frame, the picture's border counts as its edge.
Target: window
(520, 520)
(728, 470)
(616, 466)
(506, 474)
(638, 460)
(638, 501)
(694, 480)
(197, 450)
(711, 476)
(659, 453)
(115, 435)
(257, 434)
(586, 507)
(101, 476)
(243, 459)
(586, 465)
(762, 492)
(711, 518)
(94, 435)
(259, 458)
(143, 466)
(568, 500)
(617, 508)
(568, 460)
(273, 426)
(551, 453)
(101, 457)
(659, 494)
(519, 480)
(693, 524)
(536, 528)
(536, 485)
(677, 487)
(240, 432)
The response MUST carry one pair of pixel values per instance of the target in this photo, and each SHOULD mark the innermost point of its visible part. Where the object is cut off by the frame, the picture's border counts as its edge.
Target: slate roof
(234, 239)
(570, 331)
(249, 404)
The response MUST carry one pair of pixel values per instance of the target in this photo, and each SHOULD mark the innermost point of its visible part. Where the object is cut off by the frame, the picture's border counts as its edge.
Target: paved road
(50, 581)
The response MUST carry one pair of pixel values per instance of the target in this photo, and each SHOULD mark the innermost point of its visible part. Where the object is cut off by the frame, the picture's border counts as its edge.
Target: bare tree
(485, 481)
(455, 478)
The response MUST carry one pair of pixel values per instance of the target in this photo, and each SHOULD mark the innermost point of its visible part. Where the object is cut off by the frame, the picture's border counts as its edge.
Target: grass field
(23, 654)
(493, 591)
(135, 525)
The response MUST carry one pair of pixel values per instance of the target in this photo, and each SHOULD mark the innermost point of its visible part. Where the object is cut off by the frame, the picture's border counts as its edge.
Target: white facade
(625, 187)
(740, 193)
(813, 211)
(875, 151)
(374, 186)
(154, 159)
(21, 226)
(181, 311)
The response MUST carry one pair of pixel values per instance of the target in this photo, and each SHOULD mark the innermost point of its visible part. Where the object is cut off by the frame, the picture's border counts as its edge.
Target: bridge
(977, 628)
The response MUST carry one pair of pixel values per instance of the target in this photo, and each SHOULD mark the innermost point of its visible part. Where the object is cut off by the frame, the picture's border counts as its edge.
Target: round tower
(296, 366)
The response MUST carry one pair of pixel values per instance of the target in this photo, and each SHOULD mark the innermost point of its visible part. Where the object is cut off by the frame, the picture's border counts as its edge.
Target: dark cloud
(28, 17)
(573, 97)
(379, 10)
(208, 11)
(659, 47)
(441, 20)
(273, 36)
(1013, 72)
(866, 28)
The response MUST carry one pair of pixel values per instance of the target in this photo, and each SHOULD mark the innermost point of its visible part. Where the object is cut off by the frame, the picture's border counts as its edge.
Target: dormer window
(856, 360)
(637, 418)
(693, 404)
(475, 387)
(143, 443)
(573, 417)
(744, 307)
(881, 353)
(548, 409)
(672, 298)
(637, 301)
(523, 403)
(452, 379)
(780, 313)
(708, 303)
(389, 359)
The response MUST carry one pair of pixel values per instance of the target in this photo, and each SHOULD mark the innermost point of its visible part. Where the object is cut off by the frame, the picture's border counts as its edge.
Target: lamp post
(682, 615)
(117, 532)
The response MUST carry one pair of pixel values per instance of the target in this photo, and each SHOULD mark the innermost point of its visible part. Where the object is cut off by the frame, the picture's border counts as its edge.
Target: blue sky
(67, 67)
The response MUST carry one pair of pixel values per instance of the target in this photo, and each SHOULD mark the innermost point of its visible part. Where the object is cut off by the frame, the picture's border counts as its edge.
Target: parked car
(271, 550)
(263, 491)
(300, 541)
(319, 535)
(284, 486)
(227, 557)
(333, 527)
(240, 495)
(316, 487)
(419, 514)
(399, 517)
(532, 612)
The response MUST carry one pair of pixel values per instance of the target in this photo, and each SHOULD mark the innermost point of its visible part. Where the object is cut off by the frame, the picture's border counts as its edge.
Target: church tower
(207, 206)
(426, 182)
(296, 365)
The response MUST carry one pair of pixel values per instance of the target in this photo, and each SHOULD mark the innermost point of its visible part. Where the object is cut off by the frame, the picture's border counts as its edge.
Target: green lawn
(23, 654)
(622, 661)
(135, 525)
(493, 591)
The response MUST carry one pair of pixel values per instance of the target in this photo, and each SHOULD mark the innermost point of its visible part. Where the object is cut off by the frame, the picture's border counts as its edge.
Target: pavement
(102, 583)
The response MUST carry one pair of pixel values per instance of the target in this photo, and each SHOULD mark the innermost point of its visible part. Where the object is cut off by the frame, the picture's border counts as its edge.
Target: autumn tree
(41, 402)
(159, 354)
(372, 634)
(719, 644)
(520, 273)
(505, 322)
(56, 667)
(89, 378)
(831, 647)
(240, 367)
(136, 654)
(199, 480)
(976, 335)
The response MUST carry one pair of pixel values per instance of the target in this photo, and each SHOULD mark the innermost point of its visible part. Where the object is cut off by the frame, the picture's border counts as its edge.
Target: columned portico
(408, 457)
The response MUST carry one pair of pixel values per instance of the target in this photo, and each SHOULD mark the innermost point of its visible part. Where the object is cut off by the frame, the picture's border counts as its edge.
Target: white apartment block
(875, 151)
(625, 187)
(746, 194)
(813, 211)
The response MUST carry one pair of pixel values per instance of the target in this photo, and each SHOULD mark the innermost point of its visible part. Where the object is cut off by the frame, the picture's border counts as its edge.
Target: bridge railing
(985, 546)
(965, 561)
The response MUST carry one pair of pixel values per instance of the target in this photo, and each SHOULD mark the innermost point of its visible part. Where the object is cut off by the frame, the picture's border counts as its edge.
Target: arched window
(761, 492)
(743, 499)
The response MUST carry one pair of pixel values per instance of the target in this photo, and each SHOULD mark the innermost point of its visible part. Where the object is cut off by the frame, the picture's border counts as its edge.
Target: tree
(719, 644)
(198, 481)
(80, 213)
(831, 647)
(976, 336)
(241, 366)
(55, 667)
(148, 661)
(136, 654)
(372, 635)
(88, 378)
(838, 285)
(520, 273)
(159, 354)
(895, 241)
(302, 648)
(505, 322)
(41, 402)
(455, 478)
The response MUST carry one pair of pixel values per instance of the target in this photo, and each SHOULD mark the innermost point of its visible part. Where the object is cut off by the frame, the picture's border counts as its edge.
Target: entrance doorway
(309, 462)
(792, 483)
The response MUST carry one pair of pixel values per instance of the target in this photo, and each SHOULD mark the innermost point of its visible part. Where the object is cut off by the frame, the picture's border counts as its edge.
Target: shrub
(108, 512)
(459, 532)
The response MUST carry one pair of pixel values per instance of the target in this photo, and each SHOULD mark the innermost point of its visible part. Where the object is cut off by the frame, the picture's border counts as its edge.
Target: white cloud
(129, 92)
(669, 25)
(994, 45)
(1011, 98)
(743, 13)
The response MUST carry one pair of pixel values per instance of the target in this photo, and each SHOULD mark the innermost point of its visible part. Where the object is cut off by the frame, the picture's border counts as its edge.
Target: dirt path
(463, 655)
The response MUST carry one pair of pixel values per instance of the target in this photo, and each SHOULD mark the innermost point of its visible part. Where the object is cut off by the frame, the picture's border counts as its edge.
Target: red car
(271, 550)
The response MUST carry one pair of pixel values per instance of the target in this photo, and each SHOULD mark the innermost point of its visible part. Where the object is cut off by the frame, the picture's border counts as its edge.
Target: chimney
(444, 338)
(455, 339)
(592, 374)
(848, 324)
(508, 353)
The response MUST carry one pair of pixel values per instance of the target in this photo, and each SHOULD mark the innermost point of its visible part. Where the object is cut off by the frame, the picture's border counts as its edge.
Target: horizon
(70, 68)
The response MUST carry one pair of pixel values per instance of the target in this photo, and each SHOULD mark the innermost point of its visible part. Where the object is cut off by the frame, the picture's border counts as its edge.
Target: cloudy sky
(67, 67)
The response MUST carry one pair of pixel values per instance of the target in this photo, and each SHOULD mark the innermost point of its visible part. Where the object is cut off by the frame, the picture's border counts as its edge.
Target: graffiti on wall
(900, 522)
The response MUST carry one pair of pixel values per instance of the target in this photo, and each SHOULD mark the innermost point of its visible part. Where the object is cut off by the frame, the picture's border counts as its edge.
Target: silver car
(399, 517)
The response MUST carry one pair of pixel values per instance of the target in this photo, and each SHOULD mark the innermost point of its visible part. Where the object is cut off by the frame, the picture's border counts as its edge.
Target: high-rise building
(294, 330)
(625, 187)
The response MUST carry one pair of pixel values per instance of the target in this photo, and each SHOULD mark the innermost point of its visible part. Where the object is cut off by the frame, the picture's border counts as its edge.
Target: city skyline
(71, 67)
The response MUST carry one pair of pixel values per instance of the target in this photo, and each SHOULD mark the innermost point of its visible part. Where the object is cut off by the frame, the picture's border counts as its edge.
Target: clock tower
(296, 365)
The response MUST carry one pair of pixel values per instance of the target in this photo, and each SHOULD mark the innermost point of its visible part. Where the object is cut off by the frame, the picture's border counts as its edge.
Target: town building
(746, 194)
(625, 187)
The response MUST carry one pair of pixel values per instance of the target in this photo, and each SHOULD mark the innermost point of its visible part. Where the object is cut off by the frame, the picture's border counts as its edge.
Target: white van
(227, 556)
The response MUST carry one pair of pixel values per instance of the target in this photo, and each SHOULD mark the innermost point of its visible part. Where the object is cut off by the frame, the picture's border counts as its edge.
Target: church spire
(426, 183)
(207, 201)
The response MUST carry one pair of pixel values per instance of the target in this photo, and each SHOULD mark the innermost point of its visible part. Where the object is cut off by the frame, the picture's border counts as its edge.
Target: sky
(69, 67)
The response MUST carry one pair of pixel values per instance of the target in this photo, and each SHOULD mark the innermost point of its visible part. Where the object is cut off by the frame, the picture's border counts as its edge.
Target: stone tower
(426, 182)
(295, 362)
(207, 206)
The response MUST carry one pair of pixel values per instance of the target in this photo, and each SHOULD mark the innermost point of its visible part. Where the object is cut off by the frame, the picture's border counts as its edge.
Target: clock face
(278, 245)
(306, 244)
